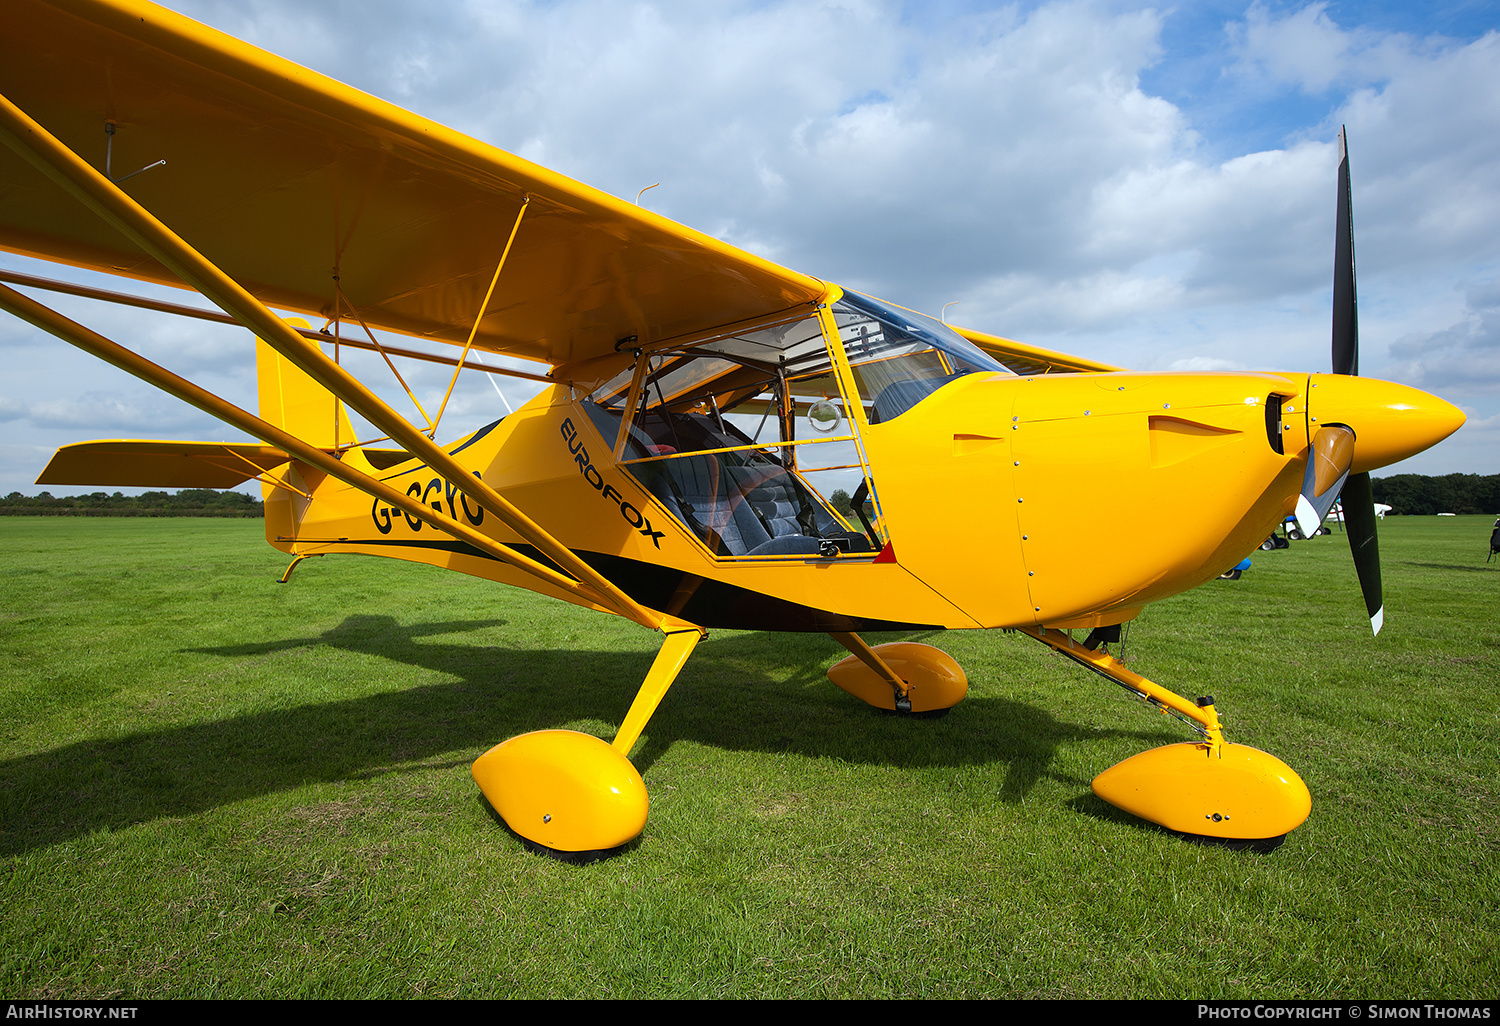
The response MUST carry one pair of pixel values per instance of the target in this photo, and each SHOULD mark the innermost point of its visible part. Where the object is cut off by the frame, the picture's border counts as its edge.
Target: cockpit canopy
(712, 428)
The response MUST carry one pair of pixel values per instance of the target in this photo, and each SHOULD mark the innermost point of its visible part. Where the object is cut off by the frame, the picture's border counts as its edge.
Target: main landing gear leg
(901, 676)
(1209, 788)
(571, 794)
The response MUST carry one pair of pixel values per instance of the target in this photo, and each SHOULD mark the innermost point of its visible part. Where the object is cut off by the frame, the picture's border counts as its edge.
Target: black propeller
(1332, 447)
(1332, 450)
(1345, 307)
(1359, 422)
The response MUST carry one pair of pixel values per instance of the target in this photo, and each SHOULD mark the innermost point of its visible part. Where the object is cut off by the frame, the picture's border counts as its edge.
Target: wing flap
(296, 185)
(138, 464)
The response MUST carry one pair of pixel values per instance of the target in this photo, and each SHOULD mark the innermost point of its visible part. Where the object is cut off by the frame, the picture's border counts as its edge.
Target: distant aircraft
(1337, 513)
(700, 405)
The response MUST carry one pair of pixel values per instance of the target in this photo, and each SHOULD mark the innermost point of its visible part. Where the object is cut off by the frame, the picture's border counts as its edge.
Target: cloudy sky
(1148, 186)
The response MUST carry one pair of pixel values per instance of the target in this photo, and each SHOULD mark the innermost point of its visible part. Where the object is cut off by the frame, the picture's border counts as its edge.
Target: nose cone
(1391, 422)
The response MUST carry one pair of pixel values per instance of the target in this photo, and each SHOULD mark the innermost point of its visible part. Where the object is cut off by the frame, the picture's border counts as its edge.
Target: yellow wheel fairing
(1226, 791)
(564, 790)
(934, 680)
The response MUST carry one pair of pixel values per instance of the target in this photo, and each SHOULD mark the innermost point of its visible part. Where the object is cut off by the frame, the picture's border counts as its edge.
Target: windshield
(899, 357)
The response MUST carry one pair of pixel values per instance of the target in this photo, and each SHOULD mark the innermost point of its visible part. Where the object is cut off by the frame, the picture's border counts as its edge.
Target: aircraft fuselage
(999, 500)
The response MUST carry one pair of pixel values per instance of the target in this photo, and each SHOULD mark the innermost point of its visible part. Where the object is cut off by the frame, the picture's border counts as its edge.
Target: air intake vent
(1273, 422)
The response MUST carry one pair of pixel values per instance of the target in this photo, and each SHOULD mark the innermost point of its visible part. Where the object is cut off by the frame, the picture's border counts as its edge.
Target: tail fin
(293, 401)
(288, 398)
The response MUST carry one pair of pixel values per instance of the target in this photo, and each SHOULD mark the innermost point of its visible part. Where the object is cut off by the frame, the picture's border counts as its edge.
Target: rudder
(294, 402)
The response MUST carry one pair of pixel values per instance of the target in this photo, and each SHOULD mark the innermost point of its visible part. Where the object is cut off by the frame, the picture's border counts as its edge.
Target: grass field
(212, 785)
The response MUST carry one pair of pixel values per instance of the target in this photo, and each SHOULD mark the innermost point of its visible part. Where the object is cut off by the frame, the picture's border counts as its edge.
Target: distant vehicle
(1234, 572)
(1294, 530)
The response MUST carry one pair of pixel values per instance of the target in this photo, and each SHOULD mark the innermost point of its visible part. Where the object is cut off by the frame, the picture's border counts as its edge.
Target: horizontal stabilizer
(128, 463)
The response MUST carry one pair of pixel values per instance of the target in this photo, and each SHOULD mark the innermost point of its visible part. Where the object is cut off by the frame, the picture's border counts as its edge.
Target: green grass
(212, 785)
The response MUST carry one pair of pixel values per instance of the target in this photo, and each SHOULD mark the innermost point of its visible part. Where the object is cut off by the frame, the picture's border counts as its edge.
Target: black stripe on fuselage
(476, 436)
(705, 602)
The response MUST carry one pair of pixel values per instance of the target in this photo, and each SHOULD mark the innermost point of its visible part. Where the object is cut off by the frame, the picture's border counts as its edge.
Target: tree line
(1406, 494)
(190, 502)
(1419, 495)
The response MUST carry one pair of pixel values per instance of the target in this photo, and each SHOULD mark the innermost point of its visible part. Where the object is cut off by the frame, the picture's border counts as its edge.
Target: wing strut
(162, 306)
(479, 317)
(92, 342)
(81, 180)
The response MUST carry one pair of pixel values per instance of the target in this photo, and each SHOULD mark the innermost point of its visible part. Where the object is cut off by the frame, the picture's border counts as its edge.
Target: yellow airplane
(700, 407)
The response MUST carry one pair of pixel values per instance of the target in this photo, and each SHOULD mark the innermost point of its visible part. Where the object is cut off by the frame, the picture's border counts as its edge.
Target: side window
(712, 431)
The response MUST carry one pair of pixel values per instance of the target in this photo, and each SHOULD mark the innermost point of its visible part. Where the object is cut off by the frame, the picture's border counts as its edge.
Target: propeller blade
(1359, 497)
(1328, 461)
(1359, 520)
(1345, 307)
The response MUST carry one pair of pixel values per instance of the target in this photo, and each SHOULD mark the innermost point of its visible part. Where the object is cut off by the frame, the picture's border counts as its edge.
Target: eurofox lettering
(634, 517)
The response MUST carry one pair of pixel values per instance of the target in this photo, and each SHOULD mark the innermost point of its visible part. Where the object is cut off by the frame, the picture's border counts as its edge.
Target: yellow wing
(160, 464)
(294, 183)
(1025, 359)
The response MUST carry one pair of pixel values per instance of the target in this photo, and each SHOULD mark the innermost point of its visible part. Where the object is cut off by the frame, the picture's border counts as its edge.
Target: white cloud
(20, 465)
(107, 412)
(1205, 363)
(1462, 359)
(1305, 48)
